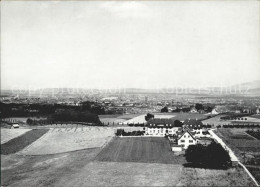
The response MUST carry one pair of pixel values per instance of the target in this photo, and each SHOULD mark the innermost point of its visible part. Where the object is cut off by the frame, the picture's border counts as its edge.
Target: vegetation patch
(140, 149)
(255, 134)
(21, 142)
(121, 132)
(255, 171)
(212, 156)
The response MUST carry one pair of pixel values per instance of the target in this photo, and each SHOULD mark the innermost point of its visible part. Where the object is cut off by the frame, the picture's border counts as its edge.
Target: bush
(211, 156)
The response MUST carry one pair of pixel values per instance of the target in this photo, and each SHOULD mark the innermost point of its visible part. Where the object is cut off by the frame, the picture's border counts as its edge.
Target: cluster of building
(181, 137)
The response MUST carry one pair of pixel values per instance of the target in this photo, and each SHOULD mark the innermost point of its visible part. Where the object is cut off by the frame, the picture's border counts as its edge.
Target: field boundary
(15, 137)
(248, 172)
(33, 143)
(232, 155)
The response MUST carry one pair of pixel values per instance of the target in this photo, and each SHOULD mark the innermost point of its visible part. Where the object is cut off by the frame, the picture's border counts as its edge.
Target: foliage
(121, 132)
(75, 116)
(199, 106)
(29, 121)
(164, 109)
(148, 116)
(37, 109)
(211, 156)
(177, 123)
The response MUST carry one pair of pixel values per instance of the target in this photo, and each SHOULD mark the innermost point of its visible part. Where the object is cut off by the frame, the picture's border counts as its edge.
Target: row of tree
(34, 110)
(121, 132)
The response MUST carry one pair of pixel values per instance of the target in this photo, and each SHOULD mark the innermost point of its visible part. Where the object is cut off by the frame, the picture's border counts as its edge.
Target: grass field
(215, 121)
(141, 118)
(20, 142)
(245, 147)
(140, 149)
(61, 140)
(184, 116)
(239, 139)
(8, 134)
(82, 168)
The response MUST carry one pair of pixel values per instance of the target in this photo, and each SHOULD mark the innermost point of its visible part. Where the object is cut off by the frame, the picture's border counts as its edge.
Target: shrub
(211, 156)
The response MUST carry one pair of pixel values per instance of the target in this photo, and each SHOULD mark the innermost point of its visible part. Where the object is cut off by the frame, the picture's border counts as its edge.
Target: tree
(29, 121)
(177, 123)
(164, 109)
(199, 106)
(211, 156)
(148, 116)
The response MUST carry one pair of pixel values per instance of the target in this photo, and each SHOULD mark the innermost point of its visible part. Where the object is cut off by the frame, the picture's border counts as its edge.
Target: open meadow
(246, 147)
(141, 118)
(59, 140)
(20, 142)
(150, 163)
(215, 121)
(92, 156)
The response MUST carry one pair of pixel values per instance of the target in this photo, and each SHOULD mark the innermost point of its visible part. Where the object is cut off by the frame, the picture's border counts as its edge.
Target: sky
(128, 44)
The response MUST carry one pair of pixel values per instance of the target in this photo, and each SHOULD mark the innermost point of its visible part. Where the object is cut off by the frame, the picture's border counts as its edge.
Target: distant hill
(250, 88)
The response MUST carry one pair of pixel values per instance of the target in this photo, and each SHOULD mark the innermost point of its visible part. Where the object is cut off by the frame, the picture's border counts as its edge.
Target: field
(141, 118)
(8, 134)
(61, 140)
(239, 140)
(184, 116)
(246, 147)
(215, 121)
(153, 165)
(20, 142)
(140, 149)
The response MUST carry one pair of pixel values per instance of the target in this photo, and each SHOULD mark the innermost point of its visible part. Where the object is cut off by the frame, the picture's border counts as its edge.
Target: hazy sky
(128, 44)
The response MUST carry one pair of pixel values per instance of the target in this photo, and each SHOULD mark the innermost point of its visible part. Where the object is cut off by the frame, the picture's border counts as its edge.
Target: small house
(14, 126)
(186, 139)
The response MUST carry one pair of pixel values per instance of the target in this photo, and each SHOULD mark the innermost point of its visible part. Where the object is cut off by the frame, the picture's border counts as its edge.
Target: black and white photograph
(130, 93)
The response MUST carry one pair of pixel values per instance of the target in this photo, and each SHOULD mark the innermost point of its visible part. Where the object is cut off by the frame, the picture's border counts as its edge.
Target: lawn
(20, 142)
(139, 149)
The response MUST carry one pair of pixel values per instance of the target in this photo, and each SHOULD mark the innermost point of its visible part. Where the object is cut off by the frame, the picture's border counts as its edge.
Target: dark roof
(160, 122)
(190, 133)
(193, 122)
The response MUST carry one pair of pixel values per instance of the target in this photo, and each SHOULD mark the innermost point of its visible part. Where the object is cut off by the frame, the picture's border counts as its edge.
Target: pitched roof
(191, 134)
(193, 122)
(160, 122)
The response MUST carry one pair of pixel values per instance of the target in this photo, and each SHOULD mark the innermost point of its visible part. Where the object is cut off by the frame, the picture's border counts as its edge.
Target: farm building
(14, 125)
(160, 127)
(193, 123)
(186, 139)
(193, 110)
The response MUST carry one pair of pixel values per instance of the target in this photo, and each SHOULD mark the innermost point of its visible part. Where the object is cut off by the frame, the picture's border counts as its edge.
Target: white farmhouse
(160, 127)
(186, 139)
